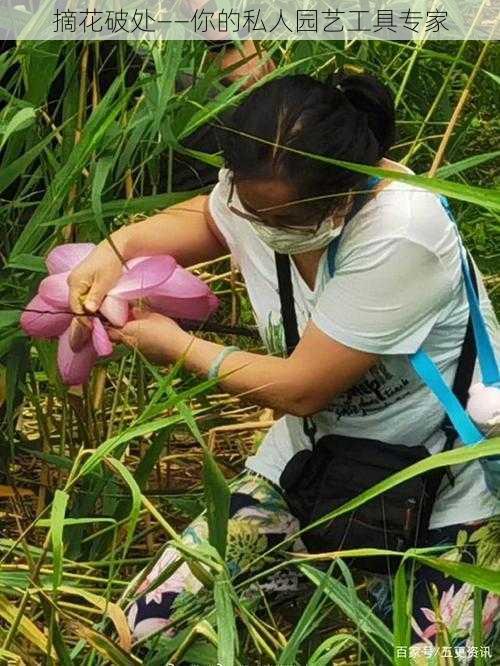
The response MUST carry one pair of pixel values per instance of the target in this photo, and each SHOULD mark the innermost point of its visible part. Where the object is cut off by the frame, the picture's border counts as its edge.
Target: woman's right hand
(89, 282)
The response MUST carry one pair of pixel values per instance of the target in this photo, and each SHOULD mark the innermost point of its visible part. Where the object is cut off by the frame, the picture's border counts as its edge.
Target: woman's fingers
(114, 334)
(90, 281)
(86, 295)
(80, 333)
(77, 290)
(97, 292)
(118, 337)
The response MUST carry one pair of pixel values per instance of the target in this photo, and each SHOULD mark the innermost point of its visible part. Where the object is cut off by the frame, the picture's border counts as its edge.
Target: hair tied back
(337, 80)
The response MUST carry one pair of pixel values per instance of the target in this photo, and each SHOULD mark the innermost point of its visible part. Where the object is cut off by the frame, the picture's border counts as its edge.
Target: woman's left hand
(159, 338)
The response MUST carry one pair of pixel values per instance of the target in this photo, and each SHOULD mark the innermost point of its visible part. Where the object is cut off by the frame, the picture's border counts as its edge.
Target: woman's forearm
(180, 230)
(267, 380)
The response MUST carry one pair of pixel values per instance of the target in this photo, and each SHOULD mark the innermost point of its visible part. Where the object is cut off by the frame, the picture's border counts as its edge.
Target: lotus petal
(144, 276)
(102, 344)
(115, 310)
(136, 260)
(80, 332)
(65, 257)
(55, 290)
(184, 296)
(43, 320)
(183, 284)
(197, 309)
(75, 367)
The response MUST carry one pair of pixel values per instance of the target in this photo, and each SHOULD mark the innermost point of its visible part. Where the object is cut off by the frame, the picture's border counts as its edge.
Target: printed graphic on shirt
(378, 389)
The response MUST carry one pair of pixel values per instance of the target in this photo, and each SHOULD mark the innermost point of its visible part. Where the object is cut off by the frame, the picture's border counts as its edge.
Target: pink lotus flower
(455, 612)
(170, 289)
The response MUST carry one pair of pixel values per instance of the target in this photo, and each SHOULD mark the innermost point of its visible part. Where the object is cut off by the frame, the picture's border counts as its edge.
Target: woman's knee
(258, 520)
(153, 605)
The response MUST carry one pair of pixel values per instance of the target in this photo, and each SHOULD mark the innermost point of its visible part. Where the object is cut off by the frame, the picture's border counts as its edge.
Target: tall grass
(95, 481)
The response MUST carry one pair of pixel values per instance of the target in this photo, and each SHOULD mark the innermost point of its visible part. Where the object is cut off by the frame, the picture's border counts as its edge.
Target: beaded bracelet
(219, 359)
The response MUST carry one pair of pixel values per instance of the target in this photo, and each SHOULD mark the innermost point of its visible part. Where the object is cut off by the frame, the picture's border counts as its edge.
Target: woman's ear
(340, 211)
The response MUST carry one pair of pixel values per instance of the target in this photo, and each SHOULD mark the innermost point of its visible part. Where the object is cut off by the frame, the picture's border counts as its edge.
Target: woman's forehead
(259, 194)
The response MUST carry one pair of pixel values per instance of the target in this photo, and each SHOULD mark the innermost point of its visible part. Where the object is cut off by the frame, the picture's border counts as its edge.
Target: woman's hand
(158, 337)
(90, 281)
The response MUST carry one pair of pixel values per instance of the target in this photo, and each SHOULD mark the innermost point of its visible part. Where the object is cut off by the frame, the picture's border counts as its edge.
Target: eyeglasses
(299, 228)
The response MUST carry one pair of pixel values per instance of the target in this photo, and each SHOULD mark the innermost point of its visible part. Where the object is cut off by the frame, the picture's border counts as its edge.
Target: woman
(397, 284)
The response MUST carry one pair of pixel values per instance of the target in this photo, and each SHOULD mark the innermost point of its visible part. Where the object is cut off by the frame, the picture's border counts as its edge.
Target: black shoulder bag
(339, 468)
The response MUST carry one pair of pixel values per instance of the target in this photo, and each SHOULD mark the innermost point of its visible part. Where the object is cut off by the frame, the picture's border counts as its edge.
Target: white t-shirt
(397, 285)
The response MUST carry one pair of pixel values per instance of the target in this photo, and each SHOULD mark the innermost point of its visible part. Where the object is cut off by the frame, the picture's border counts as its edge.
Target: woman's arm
(186, 231)
(306, 382)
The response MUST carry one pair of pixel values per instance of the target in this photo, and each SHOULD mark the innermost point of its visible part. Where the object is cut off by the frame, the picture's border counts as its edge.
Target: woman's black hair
(347, 117)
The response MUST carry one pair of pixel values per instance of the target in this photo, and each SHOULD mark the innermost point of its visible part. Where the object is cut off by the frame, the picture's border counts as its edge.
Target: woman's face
(271, 202)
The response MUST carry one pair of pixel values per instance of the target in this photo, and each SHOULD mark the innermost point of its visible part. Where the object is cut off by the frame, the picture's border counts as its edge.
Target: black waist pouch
(340, 468)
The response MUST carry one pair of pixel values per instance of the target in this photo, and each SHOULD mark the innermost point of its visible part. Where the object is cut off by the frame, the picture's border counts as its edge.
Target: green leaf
(28, 262)
(108, 446)
(167, 65)
(463, 454)
(216, 490)
(226, 624)
(365, 620)
(103, 167)
(486, 579)
(38, 57)
(56, 533)
(21, 120)
(495, 77)
(136, 499)
(150, 458)
(119, 207)
(401, 617)
(467, 163)
(217, 499)
(57, 192)
(308, 622)
(9, 317)
(17, 168)
(47, 522)
(113, 653)
(478, 638)
(476, 195)
(330, 648)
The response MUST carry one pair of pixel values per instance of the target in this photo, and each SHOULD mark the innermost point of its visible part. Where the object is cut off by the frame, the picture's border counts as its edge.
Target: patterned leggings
(260, 519)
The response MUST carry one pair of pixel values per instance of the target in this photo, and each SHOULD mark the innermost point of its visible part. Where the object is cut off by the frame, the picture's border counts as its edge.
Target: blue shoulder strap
(425, 367)
(430, 375)
(487, 361)
(489, 366)
(333, 246)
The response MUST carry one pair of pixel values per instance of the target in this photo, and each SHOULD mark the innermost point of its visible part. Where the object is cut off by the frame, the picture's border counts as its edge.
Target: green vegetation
(95, 481)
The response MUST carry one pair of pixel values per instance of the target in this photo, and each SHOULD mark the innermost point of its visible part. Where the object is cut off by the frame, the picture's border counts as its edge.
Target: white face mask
(286, 241)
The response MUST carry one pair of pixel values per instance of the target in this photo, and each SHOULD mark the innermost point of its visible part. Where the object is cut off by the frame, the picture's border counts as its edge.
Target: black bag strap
(288, 313)
(467, 360)
(285, 286)
(461, 382)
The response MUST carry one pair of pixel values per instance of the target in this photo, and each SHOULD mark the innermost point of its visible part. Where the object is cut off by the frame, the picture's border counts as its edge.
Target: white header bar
(249, 19)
